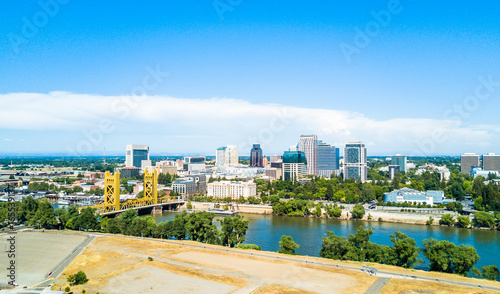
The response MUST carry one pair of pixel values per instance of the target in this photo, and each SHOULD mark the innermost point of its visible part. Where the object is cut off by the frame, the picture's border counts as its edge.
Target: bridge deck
(144, 207)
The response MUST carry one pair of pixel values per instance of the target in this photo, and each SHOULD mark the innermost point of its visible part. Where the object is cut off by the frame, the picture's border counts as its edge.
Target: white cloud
(220, 121)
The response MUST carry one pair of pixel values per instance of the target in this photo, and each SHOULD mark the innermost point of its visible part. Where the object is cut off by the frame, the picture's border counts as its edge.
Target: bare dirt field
(396, 286)
(121, 265)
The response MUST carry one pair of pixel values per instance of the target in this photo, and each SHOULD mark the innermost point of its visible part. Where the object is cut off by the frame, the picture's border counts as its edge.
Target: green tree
(79, 278)
(200, 227)
(484, 219)
(44, 215)
(405, 250)
(189, 205)
(287, 245)
(444, 256)
(87, 219)
(358, 211)
(317, 211)
(447, 219)
(233, 230)
(463, 221)
(490, 272)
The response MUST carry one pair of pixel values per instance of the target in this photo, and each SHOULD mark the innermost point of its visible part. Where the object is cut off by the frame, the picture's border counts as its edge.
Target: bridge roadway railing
(131, 203)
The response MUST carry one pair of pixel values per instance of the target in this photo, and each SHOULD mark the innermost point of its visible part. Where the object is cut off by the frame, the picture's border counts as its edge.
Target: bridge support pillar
(157, 210)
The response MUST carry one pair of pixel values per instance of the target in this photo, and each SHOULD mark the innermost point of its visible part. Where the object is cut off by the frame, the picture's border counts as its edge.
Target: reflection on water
(266, 231)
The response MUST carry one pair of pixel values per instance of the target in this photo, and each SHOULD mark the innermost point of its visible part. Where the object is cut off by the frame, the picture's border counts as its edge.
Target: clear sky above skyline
(422, 77)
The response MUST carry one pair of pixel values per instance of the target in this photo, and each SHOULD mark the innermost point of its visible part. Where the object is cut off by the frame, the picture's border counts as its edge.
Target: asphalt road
(64, 263)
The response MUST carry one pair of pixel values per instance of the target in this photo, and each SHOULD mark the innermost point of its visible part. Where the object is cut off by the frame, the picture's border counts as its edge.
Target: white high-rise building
(355, 166)
(309, 145)
(227, 156)
(135, 155)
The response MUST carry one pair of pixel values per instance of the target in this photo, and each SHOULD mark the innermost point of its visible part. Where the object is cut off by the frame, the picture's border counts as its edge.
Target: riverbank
(388, 215)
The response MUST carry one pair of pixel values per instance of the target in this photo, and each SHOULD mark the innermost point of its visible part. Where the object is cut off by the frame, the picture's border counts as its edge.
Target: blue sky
(254, 56)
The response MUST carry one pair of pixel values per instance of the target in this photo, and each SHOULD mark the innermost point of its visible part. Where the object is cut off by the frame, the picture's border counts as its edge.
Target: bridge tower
(150, 186)
(112, 190)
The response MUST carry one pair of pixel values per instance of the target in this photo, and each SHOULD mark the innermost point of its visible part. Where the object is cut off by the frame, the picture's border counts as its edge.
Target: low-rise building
(414, 196)
(190, 185)
(129, 172)
(232, 189)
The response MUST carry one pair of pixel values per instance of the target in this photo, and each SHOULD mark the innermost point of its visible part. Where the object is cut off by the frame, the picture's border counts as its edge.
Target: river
(266, 231)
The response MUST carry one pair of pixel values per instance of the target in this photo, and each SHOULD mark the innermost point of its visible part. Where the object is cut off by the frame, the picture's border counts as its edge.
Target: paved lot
(38, 253)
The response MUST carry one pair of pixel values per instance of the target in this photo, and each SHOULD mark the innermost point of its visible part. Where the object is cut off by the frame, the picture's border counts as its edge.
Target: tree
(444, 256)
(233, 230)
(11, 177)
(189, 205)
(287, 245)
(78, 279)
(430, 221)
(405, 251)
(87, 219)
(484, 219)
(44, 215)
(200, 227)
(447, 219)
(317, 211)
(358, 211)
(490, 272)
(463, 221)
(334, 247)
(335, 212)
(455, 206)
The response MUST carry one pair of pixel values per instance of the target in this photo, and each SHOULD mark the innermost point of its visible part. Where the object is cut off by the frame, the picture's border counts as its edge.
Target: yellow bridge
(150, 200)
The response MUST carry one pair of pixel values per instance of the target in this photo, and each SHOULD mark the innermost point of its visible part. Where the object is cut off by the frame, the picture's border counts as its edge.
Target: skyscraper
(309, 145)
(491, 162)
(227, 156)
(232, 153)
(400, 160)
(256, 156)
(294, 165)
(355, 161)
(328, 160)
(468, 161)
(220, 156)
(135, 154)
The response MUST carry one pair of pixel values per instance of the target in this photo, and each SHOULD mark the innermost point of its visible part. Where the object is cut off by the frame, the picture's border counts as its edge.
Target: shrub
(78, 279)
(463, 221)
(484, 219)
(249, 246)
(447, 219)
(150, 258)
(67, 289)
(380, 219)
(430, 221)
(358, 211)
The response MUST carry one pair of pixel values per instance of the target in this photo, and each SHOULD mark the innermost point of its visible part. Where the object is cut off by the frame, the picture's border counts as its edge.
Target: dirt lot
(118, 265)
(396, 286)
(121, 265)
